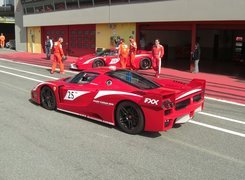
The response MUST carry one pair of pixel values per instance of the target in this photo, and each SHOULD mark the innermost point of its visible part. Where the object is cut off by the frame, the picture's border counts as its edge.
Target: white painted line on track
(28, 72)
(191, 121)
(225, 101)
(33, 65)
(17, 75)
(45, 67)
(221, 117)
(217, 128)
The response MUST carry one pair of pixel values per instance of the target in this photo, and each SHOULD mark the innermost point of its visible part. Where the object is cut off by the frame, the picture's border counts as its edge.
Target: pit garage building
(85, 25)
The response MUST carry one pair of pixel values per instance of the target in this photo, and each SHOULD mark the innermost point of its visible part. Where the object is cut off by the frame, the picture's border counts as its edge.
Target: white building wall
(161, 11)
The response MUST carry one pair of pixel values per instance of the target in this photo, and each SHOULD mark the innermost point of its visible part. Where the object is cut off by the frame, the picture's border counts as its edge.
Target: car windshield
(107, 52)
(133, 79)
(83, 78)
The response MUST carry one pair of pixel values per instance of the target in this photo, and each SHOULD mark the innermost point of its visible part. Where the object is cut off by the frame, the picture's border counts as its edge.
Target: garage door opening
(177, 46)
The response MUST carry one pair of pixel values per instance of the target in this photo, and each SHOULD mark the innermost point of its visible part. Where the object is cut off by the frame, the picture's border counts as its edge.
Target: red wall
(78, 39)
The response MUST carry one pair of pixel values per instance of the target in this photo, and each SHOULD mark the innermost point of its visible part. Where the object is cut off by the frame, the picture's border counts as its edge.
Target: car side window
(87, 78)
(83, 78)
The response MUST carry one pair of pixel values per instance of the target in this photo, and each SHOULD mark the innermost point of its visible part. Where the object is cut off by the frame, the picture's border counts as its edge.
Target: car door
(76, 97)
(112, 58)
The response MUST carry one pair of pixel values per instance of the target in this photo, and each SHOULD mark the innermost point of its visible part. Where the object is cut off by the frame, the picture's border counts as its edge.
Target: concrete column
(20, 30)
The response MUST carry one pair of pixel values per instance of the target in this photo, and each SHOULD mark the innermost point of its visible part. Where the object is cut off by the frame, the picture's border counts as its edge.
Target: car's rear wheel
(145, 64)
(98, 63)
(48, 100)
(129, 117)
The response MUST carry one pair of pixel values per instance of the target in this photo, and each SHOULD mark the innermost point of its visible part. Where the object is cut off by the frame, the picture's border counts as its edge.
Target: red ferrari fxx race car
(109, 57)
(123, 98)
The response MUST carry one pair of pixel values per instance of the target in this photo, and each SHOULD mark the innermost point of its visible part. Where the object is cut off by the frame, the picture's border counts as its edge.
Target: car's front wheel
(129, 117)
(145, 64)
(98, 63)
(48, 100)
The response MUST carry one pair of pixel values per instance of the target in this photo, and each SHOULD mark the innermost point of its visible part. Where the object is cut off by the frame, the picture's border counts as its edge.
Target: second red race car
(109, 57)
(123, 98)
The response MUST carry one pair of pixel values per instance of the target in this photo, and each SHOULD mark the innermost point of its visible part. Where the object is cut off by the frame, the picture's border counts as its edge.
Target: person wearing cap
(132, 52)
(58, 55)
(157, 54)
(123, 53)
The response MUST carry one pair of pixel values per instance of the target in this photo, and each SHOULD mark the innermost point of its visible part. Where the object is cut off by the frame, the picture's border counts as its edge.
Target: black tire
(98, 63)
(129, 117)
(47, 98)
(145, 63)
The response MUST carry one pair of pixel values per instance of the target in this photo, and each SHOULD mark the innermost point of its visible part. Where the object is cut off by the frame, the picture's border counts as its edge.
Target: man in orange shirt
(132, 52)
(58, 55)
(2, 40)
(157, 54)
(123, 53)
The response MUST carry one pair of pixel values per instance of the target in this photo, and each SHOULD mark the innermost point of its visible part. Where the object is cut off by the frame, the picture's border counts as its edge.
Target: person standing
(242, 59)
(123, 53)
(48, 47)
(132, 52)
(142, 43)
(196, 57)
(2, 40)
(157, 54)
(58, 55)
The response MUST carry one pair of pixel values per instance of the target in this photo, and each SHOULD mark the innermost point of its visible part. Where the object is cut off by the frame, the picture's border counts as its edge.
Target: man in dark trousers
(196, 57)
(48, 47)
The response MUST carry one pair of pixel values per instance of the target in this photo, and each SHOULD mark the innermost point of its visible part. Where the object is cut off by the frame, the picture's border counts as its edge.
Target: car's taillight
(167, 104)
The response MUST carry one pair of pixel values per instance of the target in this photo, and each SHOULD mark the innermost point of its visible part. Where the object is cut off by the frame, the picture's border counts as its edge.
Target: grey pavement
(49, 145)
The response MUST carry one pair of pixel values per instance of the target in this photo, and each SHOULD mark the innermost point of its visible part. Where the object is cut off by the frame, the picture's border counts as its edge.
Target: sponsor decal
(151, 101)
(103, 102)
(72, 95)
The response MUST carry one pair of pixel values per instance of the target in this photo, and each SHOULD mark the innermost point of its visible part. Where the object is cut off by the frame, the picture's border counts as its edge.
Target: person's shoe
(51, 72)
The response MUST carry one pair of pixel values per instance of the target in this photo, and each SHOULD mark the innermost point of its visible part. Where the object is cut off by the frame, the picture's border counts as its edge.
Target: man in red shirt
(58, 55)
(157, 54)
(132, 52)
(123, 53)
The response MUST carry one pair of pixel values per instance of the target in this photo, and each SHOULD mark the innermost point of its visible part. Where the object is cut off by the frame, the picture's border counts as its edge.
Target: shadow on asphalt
(150, 134)
(176, 126)
(34, 103)
(145, 134)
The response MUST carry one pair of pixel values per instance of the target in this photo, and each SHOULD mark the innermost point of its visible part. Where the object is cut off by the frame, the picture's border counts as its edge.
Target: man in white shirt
(48, 47)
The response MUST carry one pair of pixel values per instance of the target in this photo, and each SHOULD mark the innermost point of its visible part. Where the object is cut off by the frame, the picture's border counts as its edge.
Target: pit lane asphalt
(40, 144)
